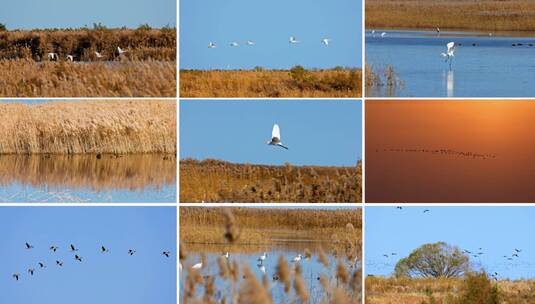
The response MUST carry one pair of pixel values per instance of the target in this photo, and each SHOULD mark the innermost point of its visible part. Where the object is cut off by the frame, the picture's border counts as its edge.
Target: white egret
(297, 258)
(70, 58)
(262, 258)
(276, 137)
(326, 41)
(234, 44)
(449, 52)
(373, 33)
(211, 45)
(121, 51)
(197, 266)
(383, 34)
(293, 40)
(99, 55)
(226, 255)
(52, 56)
(250, 42)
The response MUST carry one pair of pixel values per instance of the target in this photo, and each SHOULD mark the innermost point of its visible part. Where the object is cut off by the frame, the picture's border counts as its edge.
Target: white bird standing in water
(276, 137)
(293, 40)
(449, 52)
(297, 258)
(326, 41)
(383, 34)
(262, 258)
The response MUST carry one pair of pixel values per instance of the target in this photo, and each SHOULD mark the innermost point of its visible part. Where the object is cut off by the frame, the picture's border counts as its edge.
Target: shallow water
(311, 268)
(84, 178)
(483, 66)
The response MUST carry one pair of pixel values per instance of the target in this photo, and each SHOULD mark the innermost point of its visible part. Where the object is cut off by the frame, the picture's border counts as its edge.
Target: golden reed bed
(380, 290)
(296, 82)
(485, 15)
(110, 172)
(27, 78)
(220, 181)
(76, 127)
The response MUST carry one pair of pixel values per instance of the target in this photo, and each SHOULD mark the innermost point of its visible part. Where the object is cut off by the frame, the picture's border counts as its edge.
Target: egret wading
(276, 137)
(449, 52)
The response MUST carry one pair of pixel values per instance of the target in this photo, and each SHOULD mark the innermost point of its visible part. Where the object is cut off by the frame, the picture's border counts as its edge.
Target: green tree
(434, 260)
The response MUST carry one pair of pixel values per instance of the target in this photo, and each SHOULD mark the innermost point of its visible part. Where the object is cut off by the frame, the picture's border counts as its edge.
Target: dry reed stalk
(252, 291)
(284, 274)
(341, 273)
(232, 232)
(322, 257)
(300, 286)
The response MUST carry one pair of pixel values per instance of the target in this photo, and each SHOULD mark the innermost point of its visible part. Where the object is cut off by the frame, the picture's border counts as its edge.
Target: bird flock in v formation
(77, 257)
(54, 56)
(291, 40)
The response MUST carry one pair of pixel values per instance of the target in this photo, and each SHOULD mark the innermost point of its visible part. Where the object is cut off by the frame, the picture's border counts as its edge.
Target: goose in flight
(276, 137)
(131, 252)
(211, 45)
(449, 52)
(31, 271)
(16, 276)
(121, 51)
(59, 263)
(52, 56)
(42, 265)
(326, 41)
(250, 42)
(73, 248)
(197, 266)
(78, 258)
(29, 246)
(262, 258)
(54, 248)
(166, 253)
(104, 249)
(293, 40)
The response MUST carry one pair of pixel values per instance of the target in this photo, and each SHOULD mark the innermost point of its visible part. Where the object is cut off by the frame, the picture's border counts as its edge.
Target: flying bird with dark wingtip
(78, 258)
(276, 137)
(104, 249)
(54, 248)
(73, 248)
(166, 253)
(59, 263)
(131, 252)
(29, 246)
(42, 265)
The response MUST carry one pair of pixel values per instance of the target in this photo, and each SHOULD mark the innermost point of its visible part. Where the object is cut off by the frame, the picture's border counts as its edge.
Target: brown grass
(219, 181)
(207, 225)
(380, 290)
(86, 171)
(488, 15)
(153, 44)
(76, 127)
(297, 82)
(27, 78)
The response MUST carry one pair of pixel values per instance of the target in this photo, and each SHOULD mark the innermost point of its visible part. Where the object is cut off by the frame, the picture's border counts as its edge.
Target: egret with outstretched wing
(276, 137)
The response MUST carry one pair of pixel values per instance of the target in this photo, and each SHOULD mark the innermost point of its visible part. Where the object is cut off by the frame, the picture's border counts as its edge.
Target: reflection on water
(88, 178)
(484, 65)
(311, 267)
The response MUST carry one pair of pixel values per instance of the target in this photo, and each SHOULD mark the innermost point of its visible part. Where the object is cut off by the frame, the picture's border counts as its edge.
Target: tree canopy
(434, 260)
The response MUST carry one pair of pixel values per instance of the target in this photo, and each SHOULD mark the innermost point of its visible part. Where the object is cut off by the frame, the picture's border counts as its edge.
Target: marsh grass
(27, 78)
(488, 15)
(76, 127)
(477, 288)
(297, 82)
(220, 181)
(297, 289)
(384, 80)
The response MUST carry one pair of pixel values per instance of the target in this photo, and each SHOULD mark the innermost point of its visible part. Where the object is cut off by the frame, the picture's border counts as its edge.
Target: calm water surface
(484, 65)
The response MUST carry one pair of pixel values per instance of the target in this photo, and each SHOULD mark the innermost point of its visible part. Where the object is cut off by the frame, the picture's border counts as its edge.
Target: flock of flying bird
(77, 257)
(291, 40)
(54, 56)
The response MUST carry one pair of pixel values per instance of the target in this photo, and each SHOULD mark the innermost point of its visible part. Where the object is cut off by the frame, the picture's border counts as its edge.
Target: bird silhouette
(73, 248)
(59, 263)
(104, 249)
(31, 271)
(276, 137)
(166, 253)
(42, 265)
(131, 252)
(78, 258)
(29, 246)
(16, 276)
(54, 248)
(426, 210)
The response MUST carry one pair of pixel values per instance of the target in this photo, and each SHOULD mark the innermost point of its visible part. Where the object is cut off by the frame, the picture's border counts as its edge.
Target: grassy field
(485, 15)
(380, 290)
(219, 181)
(110, 172)
(206, 225)
(75, 127)
(147, 69)
(27, 78)
(340, 281)
(296, 82)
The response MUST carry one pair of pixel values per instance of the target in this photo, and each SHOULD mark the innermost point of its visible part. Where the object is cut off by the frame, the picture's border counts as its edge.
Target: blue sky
(116, 277)
(270, 24)
(317, 132)
(497, 230)
(29, 14)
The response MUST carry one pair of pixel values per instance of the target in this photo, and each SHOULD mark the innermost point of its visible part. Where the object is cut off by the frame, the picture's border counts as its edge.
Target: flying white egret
(197, 266)
(52, 56)
(293, 40)
(326, 41)
(383, 34)
(234, 44)
(211, 45)
(297, 258)
(449, 52)
(262, 258)
(121, 51)
(276, 137)
(250, 42)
